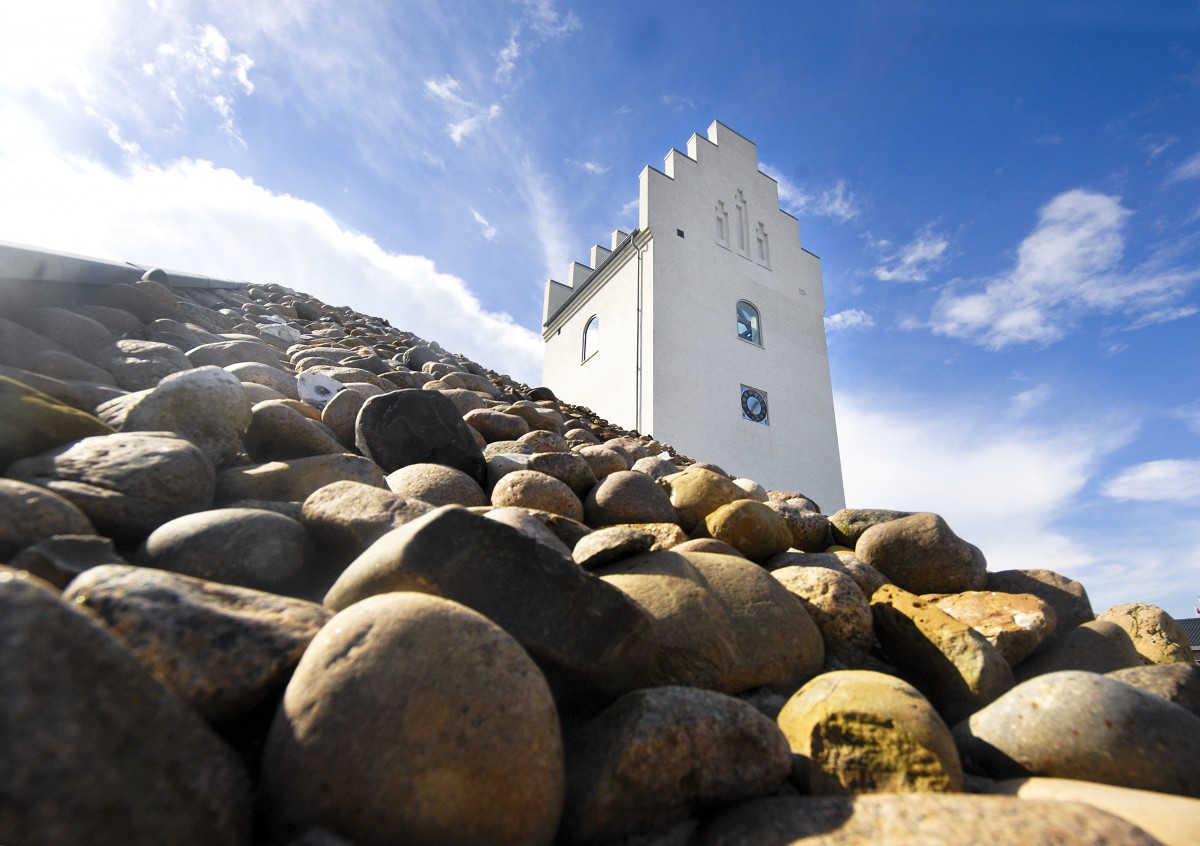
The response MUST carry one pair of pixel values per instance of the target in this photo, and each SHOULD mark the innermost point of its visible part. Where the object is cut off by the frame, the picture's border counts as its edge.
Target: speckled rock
(916, 821)
(721, 622)
(235, 546)
(78, 334)
(1155, 634)
(390, 724)
(750, 527)
(61, 558)
(865, 576)
(496, 425)
(666, 535)
(1074, 724)
(657, 756)
(224, 649)
(1097, 647)
(413, 427)
(528, 489)
(277, 432)
(340, 414)
(436, 484)
(569, 468)
(136, 300)
(697, 492)
(126, 483)
(951, 663)
(296, 478)
(205, 405)
(137, 365)
(32, 422)
(602, 460)
(345, 517)
(1172, 820)
(61, 365)
(810, 530)
(611, 544)
(627, 497)
(1015, 623)
(29, 514)
(849, 524)
(95, 750)
(1178, 683)
(273, 377)
(921, 554)
(541, 440)
(655, 466)
(528, 522)
(866, 732)
(837, 606)
(586, 636)
(707, 545)
(1066, 596)
(226, 353)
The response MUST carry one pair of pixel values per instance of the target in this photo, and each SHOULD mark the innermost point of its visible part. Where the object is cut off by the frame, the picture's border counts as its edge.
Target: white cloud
(594, 168)
(1067, 267)
(445, 89)
(852, 318)
(194, 216)
(914, 261)
(1189, 169)
(1169, 480)
(836, 202)
(546, 20)
(488, 231)
(506, 59)
(1013, 489)
(549, 223)
(1155, 145)
(676, 103)
(1026, 401)
(460, 130)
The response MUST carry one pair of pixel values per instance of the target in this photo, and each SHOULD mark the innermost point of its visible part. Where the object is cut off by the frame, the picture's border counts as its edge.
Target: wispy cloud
(1067, 267)
(594, 168)
(461, 129)
(549, 225)
(914, 261)
(851, 318)
(836, 202)
(1024, 402)
(1168, 480)
(676, 103)
(547, 20)
(487, 230)
(506, 59)
(1186, 170)
(1155, 145)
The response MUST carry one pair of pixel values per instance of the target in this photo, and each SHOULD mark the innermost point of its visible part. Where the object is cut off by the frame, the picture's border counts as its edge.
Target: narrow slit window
(743, 224)
(591, 338)
(764, 246)
(749, 326)
(722, 224)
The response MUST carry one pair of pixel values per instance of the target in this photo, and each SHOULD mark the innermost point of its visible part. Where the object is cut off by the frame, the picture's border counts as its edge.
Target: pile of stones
(280, 573)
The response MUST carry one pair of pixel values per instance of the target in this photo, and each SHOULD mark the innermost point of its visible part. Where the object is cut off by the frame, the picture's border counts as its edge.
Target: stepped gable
(541, 628)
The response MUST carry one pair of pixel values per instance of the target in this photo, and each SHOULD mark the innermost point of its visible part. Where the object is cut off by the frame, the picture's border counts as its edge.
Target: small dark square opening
(679, 232)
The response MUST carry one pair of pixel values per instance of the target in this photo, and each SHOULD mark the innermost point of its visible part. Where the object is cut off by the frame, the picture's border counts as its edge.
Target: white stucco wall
(693, 362)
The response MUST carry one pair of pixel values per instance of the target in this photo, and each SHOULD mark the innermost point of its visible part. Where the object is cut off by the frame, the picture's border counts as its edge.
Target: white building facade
(705, 326)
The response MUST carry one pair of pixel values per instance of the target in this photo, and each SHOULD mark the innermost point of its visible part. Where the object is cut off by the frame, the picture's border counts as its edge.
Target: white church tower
(705, 326)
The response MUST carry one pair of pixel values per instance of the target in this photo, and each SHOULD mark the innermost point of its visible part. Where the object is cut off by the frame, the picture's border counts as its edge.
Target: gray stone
(496, 425)
(32, 422)
(205, 405)
(752, 528)
(603, 460)
(137, 365)
(61, 558)
(278, 432)
(628, 497)
(273, 377)
(225, 353)
(611, 544)
(697, 492)
(921, 554)
(849, 524)
(657, 756)
(346, 517)
(18, 345)
(224, 649)
(415, 426)
(1075, 724)
(838, 607)
(127, 483)
(1097, 647)
(411, 716)
(569, 468)
(61, 365)
(29, 514)
(296, 478)
(95, 750)
(436, 484)
(655, 466)
(587, 637)
(529, 489)
(810, 531)
(527, 522)
(236, 546)
(1178, 683)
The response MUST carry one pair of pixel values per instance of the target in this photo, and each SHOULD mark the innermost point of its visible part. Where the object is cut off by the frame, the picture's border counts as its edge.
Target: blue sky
(1005, 198)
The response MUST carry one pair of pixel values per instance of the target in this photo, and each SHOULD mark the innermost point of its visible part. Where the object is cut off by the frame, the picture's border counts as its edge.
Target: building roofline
(26, 263)
(621, 249)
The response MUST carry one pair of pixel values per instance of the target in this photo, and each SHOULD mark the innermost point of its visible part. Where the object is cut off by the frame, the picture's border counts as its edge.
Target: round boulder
(411, 713)
(752, 528)
(921, 554)
(628, 497)
(436, 484)
(29, 514)
(1155, 634)
(837, 606)
(530, 489)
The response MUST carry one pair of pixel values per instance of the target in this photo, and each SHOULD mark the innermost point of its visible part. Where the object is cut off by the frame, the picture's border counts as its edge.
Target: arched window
(749, 327)
(591, 338)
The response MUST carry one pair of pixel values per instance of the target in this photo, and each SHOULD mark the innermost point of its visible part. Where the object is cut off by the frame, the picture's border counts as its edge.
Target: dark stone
(414, 426)
(61, 558)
